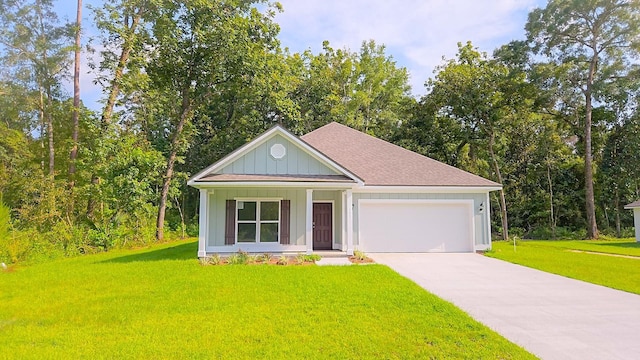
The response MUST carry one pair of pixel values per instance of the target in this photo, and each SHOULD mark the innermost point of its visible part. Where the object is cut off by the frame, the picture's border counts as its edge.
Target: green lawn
(568, 258)
(161, 303)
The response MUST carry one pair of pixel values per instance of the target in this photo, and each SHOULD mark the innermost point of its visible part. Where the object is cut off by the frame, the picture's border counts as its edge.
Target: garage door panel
(406, 226)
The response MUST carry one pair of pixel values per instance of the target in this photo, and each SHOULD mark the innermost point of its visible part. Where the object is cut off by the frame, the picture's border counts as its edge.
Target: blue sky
(416, 33)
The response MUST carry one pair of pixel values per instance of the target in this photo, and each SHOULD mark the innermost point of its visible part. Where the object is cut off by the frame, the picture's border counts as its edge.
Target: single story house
(635, 206)
(336, 188)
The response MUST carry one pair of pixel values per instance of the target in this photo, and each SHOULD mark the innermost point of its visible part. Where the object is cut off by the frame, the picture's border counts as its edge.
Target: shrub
(283, 260)
(303, 258)
(239, 258)
(359, 255)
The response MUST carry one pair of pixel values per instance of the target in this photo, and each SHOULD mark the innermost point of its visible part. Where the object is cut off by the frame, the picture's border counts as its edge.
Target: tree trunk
(114, 91)
(52, 151)
(617, 205)
(592, 226)
(503, 202)
(46, 84)
(42, 130)
(162, 206)
(552, 222)
(76, 102)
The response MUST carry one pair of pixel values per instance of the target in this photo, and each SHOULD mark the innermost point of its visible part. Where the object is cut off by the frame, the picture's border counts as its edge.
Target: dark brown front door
(322, 226)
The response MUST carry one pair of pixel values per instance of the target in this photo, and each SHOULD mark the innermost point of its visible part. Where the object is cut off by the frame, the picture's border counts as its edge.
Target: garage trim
(467, 202)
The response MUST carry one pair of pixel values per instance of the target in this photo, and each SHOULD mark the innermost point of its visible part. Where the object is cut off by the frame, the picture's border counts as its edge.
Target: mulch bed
(366, 260)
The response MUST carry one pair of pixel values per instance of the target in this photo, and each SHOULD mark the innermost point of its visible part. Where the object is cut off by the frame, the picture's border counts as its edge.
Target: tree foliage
(553, 118)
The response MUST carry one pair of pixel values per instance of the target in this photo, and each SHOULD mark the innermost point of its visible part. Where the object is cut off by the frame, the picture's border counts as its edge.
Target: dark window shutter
(230, 223)
(285, 222)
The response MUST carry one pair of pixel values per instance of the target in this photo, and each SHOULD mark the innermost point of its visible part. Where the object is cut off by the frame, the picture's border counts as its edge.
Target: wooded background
(553, 117)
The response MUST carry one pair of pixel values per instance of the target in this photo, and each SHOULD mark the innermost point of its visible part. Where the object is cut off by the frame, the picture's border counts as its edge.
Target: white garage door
(416, 225)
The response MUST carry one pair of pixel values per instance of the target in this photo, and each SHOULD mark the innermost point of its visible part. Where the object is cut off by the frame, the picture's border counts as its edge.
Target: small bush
(215, 259)
(192, 229)
(239, 258)
(359, 255)
(283, 260)
(304, 258)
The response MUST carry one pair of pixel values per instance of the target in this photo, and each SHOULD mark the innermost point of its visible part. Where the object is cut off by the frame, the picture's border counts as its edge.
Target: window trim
(257, 222)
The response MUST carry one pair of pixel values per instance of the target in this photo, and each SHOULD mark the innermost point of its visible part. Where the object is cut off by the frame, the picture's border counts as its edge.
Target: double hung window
(258, 221)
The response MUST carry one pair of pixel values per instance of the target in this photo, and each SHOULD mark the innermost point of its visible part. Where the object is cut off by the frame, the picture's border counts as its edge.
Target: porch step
(331, 254)
(333, 261)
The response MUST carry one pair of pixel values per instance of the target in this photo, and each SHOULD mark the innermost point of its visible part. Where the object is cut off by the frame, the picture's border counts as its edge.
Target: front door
(322, 226)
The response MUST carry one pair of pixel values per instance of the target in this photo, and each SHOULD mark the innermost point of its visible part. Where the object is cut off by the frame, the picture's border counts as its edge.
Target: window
(258, 221)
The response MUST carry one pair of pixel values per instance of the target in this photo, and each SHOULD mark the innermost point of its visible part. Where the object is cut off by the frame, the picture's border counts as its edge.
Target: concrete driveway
(551, 316)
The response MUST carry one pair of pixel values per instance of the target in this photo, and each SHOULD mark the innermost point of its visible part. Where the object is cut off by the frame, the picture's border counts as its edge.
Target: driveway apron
(551, 316)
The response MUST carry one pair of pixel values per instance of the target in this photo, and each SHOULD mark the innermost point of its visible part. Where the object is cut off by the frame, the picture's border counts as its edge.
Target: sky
(418, 34)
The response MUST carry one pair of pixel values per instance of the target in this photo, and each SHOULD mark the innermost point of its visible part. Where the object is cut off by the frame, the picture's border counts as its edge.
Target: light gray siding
(636, 220)
(259, 161)
(298, 198)
(482, 235)
(217, 210)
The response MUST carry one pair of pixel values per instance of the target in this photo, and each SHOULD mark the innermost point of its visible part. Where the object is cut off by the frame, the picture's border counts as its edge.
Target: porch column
(309, 222)
(487, 230)
(349, 222)
(343, 221)
(203, 230)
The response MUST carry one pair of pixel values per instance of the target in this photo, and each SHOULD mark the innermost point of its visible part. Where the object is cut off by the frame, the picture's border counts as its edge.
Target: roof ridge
(386, 163)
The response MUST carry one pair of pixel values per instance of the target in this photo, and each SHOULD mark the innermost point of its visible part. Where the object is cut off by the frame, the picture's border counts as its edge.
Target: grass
(161, 303)
(568, 258)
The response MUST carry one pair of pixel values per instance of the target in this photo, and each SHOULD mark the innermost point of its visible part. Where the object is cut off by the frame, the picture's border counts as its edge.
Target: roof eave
(428, 188)
(282, 184)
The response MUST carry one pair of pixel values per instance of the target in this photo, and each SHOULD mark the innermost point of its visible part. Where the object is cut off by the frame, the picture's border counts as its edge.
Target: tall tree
(76, 98)
(485, 98)
(35, 49)
(591, 42)
(125, 34)
(365, 90)
(196, 47)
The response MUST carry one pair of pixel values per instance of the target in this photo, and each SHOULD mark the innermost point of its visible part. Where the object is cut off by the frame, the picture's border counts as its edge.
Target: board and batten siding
(295, 162)
(217, 211)
(482, 235)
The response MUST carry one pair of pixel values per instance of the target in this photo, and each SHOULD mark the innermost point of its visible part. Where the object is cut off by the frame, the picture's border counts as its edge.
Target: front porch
(277, 220)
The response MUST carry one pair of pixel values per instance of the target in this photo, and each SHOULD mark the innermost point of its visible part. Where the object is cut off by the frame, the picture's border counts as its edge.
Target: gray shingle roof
(635, 204)
(380, 163)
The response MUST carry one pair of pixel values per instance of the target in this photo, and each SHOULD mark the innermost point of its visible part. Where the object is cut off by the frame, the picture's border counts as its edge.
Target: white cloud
(417, 33)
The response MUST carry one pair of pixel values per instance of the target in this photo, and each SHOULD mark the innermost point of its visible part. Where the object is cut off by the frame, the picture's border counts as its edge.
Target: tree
(590, 43)
(73, 155)
(485, 98)
(365, 90)
(196, 47)
(125, 34)
(35, 50)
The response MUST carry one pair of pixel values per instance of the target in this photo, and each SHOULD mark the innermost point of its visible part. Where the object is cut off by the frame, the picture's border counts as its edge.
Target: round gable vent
(278, 151)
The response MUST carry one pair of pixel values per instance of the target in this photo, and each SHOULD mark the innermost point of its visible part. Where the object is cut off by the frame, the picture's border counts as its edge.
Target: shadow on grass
(628, 245)
(187, 251)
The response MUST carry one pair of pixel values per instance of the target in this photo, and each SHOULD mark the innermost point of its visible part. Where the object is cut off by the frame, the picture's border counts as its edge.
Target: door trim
(333, 220)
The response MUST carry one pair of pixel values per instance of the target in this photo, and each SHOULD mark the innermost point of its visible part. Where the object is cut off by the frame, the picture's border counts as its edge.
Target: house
(635, 206)
(336, 188)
